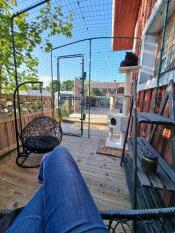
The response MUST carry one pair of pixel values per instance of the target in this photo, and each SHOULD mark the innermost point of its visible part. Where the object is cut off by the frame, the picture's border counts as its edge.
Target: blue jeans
(63, 203)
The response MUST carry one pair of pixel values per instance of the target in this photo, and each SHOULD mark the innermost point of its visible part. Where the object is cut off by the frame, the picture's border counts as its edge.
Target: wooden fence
(7, 131)
(7, 124)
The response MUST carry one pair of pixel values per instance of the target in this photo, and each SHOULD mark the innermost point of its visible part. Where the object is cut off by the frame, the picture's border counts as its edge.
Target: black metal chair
(116, 220)
(143, 220)
(39, 136)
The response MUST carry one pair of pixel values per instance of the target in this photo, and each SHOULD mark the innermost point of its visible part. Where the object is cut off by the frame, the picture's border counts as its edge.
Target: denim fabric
(31, 219)
(63, 204)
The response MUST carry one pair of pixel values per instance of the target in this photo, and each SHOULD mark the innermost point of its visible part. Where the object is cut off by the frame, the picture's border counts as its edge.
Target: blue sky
(92, 18)
(104, 62)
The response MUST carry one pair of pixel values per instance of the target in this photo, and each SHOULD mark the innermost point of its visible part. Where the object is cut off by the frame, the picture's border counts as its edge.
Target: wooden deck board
(103, 175)
(102, 149)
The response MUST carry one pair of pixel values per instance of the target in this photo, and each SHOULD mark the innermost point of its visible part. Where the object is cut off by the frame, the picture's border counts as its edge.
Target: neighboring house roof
(35, 93)
(66, 92)
(124, 20)
(106, 85)
(120, 90)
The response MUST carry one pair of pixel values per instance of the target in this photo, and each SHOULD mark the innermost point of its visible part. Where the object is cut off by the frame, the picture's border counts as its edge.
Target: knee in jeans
(60, 150)
(59, 153)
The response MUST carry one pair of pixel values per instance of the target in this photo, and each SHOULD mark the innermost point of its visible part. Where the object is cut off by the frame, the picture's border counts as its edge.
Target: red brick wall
(162, 136)
(146, 98)
(146, 7)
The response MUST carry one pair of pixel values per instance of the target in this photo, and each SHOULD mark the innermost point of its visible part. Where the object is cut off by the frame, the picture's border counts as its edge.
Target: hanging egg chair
(42, 135)
(39, 136)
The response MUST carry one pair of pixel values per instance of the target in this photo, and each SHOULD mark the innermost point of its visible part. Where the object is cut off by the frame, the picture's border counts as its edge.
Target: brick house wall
(145, 10)
(146, 97)
(169, 49)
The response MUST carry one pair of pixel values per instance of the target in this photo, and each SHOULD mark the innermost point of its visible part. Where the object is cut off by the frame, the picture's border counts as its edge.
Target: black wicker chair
(144, 220)
(116, 220)
(39, 136)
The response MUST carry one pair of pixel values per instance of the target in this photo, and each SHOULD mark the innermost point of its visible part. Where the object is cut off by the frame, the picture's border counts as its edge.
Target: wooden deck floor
(103, 174)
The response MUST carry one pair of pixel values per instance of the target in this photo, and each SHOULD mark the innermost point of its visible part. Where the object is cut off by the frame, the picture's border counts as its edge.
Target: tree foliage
(67, 85)
(55, 86)
(29, 34)
(97, 92)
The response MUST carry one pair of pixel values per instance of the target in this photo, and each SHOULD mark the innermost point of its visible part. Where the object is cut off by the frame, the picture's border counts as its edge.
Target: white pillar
(121, 117)
(128, 75)
(126, 93)
(112, 103)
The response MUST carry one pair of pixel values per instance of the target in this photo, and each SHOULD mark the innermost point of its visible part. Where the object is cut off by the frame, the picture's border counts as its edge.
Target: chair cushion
(41, 144)
(41, 135)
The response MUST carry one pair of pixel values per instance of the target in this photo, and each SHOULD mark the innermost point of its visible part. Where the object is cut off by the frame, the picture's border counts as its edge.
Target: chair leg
(21, 163)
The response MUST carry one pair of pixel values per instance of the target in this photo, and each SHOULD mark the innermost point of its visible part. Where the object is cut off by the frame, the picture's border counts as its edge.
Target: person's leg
(30, 220)
(69, 206)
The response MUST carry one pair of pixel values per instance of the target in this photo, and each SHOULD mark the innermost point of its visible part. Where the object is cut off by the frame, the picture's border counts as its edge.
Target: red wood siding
(124, 20)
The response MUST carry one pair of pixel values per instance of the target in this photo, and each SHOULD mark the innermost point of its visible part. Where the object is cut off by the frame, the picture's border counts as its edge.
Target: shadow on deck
(103, 175)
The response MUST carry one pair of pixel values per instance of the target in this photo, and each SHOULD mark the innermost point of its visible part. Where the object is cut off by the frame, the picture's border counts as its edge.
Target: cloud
(46, 79)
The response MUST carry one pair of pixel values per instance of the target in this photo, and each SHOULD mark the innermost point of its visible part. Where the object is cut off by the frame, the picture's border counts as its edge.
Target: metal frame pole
(58, 82)
(16, 82)
(82, 96)
(53, 96)
(89, 88)
(15, 113)
(82, 86)
(97, 38)
(127, 131)
(16, 69)
(12, 33)
(135, 145)
(14, 50)
(166, 3)
(90, 53)
(41, 93)
(135, 150)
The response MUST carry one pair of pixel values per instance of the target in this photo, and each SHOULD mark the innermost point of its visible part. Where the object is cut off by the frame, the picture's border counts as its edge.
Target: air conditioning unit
(117, 121)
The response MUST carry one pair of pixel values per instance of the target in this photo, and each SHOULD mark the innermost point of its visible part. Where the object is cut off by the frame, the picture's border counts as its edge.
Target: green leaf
(28, 35)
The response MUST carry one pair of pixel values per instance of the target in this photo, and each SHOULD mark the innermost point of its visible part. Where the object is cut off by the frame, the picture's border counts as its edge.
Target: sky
(91, 18)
